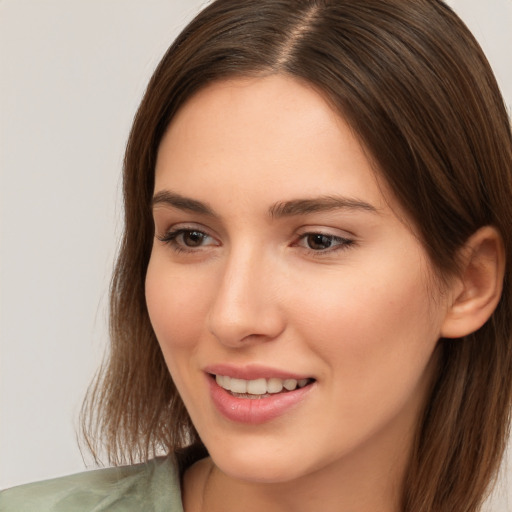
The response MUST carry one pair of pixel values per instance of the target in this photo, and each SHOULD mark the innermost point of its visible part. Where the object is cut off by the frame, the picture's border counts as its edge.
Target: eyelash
(170, 238)
(342, 243)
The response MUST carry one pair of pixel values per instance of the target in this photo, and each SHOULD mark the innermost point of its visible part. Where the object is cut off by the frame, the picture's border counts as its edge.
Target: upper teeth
(258, 386)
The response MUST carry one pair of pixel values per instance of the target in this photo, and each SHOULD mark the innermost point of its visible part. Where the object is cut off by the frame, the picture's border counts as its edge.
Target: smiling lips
(258, 399)
(258, 388)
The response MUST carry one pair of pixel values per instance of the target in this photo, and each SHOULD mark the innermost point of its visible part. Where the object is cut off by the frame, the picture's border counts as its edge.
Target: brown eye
(323, 243)
(319, 242)
(193, 238)
(187, 239)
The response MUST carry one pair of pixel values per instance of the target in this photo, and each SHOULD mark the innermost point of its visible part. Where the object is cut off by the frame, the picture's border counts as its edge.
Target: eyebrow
(318, 204)
(181, 202)
(294, 207)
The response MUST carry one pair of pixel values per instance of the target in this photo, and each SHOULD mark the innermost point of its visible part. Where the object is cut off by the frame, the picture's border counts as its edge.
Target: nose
(246, 308)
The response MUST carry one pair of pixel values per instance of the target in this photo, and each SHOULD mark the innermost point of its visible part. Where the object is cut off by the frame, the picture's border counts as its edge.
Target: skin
(361, 317)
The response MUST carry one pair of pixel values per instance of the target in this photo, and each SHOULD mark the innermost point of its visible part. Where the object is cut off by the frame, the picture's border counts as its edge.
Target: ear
(477, 290)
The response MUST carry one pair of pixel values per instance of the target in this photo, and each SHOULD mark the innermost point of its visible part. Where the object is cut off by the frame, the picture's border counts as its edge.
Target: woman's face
(278, 261)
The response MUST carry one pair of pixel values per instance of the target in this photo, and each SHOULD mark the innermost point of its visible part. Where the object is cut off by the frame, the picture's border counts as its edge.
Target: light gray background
(71, 75)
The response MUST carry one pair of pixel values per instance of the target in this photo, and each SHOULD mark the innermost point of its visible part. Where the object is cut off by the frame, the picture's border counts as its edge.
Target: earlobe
(477, 291)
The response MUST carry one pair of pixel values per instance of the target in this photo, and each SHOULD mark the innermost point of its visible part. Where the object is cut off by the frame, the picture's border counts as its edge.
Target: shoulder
(153, 487)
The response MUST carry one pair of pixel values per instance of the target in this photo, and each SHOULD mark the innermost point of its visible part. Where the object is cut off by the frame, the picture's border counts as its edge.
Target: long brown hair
(416, 88)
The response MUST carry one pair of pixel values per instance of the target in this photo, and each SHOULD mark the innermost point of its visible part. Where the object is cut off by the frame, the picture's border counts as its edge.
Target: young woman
(311, 306)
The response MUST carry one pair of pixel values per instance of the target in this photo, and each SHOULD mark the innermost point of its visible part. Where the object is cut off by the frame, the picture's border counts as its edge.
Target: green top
(150, 487)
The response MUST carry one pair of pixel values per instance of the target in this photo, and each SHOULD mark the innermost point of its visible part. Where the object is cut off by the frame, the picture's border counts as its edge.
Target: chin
(260, 462)
(269, 471)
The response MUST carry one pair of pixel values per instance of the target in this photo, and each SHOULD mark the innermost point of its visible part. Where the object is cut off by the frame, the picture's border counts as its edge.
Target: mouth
(257, 398)
(259, 388)
(253, 394)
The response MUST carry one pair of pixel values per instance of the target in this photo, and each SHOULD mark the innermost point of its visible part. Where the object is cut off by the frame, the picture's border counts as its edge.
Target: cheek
(175, 302)
(376, 335)
(175, 309)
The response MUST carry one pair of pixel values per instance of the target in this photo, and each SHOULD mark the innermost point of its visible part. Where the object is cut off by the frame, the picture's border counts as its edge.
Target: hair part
(416, 88)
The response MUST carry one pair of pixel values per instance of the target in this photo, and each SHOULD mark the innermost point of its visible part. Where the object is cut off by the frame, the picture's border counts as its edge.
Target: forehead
(264, 139)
